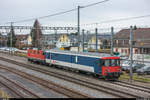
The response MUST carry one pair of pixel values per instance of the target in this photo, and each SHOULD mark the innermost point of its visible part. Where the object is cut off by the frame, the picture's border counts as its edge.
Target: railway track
(16, 89)
(134, 86)
(47, 84)
(103, 88)
(11, 90)
(145, 91)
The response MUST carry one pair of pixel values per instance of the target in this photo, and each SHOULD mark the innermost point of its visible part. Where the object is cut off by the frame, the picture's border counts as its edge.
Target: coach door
(97, 66)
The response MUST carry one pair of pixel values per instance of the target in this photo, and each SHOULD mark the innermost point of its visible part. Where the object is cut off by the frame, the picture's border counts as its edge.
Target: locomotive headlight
(119, 70)
(107, 70)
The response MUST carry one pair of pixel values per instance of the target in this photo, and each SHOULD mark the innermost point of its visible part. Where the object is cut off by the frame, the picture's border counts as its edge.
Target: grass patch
(21, 54)
(135, 78)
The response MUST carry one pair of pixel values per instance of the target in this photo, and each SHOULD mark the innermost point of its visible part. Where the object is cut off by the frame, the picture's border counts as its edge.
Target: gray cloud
(13, 10)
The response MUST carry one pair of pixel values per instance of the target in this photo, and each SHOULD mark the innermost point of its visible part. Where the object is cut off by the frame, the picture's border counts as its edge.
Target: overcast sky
(14, 10)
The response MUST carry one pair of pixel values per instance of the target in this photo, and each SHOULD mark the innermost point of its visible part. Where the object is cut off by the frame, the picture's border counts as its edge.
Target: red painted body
(36, 54)
(110, 58)
(110, 69)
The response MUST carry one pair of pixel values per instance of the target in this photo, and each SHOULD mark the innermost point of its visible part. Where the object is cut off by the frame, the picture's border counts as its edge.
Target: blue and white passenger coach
(98, 63)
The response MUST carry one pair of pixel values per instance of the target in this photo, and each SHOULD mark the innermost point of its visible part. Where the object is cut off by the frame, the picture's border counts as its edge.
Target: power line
(130, 18)
(93, 4)
(117, 20)
(59, 13)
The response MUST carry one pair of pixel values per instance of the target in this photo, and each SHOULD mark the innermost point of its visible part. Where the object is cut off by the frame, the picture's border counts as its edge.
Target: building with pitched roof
(104, 41)
(141, 41)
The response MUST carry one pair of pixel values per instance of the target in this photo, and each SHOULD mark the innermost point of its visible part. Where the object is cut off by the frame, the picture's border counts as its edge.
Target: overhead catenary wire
(59, 13)
(93, 4)
(67, 11)
(117, 20)
(42, 17)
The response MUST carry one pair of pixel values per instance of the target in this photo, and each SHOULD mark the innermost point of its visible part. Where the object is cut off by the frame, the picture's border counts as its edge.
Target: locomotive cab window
(110, 62)
(38, 52)
(106, 62)
(30, 51)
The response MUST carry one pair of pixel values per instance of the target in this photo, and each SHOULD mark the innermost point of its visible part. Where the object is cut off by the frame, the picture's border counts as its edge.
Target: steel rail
(11, 89)
(106, 89)
(21, 87)
(134, 86)
(48, 84)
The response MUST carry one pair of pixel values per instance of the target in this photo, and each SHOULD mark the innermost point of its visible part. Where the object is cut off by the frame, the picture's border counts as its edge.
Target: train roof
(89, 54)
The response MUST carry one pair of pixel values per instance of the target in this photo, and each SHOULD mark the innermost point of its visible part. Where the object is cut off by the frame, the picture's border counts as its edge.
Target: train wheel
(76, 71)
(46, 64)
(28, 59)
(95, 75)
(82, 72)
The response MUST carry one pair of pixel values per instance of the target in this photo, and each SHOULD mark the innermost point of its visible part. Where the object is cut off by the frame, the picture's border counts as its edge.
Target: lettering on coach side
(53, 61)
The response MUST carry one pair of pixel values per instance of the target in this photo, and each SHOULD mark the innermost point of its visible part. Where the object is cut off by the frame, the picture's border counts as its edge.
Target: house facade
(21, 41)
(141, 41)
(63, 41)
(29, 40)
(58, 40)
(92, 43)
(3, 40)
(103, 42)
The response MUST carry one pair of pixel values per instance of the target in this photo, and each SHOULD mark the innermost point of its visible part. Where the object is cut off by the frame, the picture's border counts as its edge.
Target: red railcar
(36, 55)
(111, 67)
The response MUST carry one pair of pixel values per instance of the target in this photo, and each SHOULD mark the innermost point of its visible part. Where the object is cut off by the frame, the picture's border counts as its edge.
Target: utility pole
(83, 40)
(32, 37)
(143, 51)
(1, 39)
(78, 28)
(131, 53)
(96, 39)
(11, 37)
(55, 36)
(112, 40)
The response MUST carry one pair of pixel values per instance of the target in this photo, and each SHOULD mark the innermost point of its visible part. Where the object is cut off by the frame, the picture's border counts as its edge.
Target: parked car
(3, 48)
(144, 70)
(138, 66)
(125, 64)
(123, 57)
(25, 48)
(127, 68)
(11, 49)
(135, 66)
